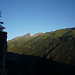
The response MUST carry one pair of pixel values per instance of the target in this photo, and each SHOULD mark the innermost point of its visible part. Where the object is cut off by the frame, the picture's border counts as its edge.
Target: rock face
(27, 35)
(3, 50)
(37, 34)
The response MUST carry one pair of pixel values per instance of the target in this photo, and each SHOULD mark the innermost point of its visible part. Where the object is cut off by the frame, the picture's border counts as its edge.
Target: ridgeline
(60, 44)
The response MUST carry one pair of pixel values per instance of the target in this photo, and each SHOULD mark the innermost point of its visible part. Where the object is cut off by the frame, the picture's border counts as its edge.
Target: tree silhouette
(1, 27)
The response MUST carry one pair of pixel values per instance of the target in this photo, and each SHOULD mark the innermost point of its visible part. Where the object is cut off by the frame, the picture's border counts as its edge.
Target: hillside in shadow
(31, 65)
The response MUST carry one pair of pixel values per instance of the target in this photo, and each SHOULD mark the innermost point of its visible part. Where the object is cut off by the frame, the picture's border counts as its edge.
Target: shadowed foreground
(31, 65)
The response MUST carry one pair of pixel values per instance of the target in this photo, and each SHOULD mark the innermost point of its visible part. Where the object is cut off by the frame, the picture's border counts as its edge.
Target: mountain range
(50, 53)
(60, 44)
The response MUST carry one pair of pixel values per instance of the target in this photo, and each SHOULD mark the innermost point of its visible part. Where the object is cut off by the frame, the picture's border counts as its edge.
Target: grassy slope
(60, 44)
(18, 42)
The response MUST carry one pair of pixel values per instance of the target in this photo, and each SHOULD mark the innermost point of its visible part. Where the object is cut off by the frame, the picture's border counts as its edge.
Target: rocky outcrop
(37, 34)
(3, 50)
(27, 35)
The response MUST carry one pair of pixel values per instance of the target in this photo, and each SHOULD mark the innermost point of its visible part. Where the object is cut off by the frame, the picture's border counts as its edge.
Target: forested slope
(60, 44)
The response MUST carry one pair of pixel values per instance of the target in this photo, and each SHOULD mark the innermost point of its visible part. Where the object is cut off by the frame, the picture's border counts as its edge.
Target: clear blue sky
(32, 16)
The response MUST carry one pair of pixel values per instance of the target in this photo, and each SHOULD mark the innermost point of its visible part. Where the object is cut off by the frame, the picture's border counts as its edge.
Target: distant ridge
(26, 36)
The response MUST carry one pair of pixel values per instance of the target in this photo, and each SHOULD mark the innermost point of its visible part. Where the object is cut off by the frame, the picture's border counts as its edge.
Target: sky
(33, 16)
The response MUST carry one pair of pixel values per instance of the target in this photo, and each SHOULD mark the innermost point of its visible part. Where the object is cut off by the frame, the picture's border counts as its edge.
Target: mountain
(26, 36)
(60, 44)
(22, 39)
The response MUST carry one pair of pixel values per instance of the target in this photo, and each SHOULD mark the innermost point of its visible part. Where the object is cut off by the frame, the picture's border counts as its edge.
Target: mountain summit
(37, 34)
(26, 36)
